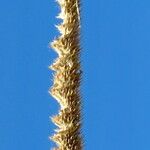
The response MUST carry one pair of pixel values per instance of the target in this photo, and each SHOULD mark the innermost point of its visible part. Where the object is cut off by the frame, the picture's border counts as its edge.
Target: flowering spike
(67, 78)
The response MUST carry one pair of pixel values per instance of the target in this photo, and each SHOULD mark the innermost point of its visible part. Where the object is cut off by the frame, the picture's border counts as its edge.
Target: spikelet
(67, 78)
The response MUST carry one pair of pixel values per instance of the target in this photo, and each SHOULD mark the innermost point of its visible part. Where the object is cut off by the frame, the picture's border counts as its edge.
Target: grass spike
(67, 77)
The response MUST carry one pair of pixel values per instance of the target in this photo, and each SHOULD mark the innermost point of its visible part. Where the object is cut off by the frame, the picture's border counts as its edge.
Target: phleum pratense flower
(67, 77)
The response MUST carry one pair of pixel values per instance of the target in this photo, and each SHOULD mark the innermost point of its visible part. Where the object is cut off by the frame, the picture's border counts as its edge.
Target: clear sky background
(116, 74)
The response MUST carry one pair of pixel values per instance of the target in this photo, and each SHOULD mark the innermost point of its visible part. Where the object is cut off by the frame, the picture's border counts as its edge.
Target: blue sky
(116, 75)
